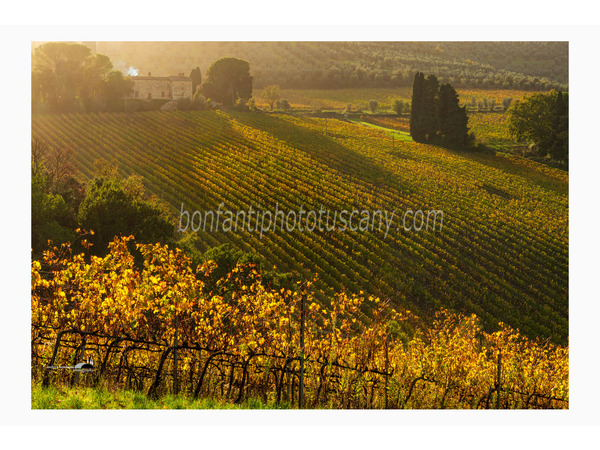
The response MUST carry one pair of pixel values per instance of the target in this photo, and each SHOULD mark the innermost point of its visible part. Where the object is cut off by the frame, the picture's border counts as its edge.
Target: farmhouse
(162, 88)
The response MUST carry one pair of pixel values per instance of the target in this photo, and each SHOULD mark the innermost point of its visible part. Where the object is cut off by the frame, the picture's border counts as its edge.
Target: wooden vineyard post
(386, 370)
(175, 381)
(301, 386)
(46, 379)
(498, 376)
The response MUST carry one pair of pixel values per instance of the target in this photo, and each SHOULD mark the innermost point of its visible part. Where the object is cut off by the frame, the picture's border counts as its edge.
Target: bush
(184, 104)
(199, 102)
(113, 206)
(506, 101)
(241, 104)
(398, 107)
(283, 104)
(373, 105)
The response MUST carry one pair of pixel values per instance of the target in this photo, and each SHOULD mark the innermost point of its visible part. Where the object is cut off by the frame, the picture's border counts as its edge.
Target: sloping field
(502, 252)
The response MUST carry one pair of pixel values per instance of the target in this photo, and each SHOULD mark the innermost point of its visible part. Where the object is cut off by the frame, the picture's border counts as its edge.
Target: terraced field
(502, 253)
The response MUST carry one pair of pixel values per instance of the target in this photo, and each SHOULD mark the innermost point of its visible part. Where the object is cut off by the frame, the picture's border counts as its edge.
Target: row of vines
(502, 253)
(155, 329)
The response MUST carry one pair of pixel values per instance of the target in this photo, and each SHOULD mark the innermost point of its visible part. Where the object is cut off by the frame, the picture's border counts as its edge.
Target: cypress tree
(436, 115)
(453, 119)
(428, 108)
(196, 76)
(416, 127)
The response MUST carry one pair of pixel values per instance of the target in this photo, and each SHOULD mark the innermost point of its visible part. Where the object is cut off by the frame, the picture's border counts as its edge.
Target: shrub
(184, 104)
(373, 105)
(199, 102)
(506, 101)
(398, 107)
(283, 104)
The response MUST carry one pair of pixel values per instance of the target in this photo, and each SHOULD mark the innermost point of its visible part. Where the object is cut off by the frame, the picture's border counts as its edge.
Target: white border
(357, 425)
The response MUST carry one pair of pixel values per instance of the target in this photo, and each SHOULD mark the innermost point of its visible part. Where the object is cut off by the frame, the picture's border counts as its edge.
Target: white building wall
(161, 88)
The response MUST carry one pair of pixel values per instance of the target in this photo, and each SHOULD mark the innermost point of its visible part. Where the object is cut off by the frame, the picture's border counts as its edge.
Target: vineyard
(153, 330)
(339, 99)
(490, 128)
(502, 254)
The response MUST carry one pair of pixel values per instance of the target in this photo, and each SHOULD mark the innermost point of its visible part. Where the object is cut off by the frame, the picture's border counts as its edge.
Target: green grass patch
(80, 397)
(399, 135)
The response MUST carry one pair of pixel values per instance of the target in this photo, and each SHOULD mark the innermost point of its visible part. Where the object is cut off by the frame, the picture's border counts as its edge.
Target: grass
(397, 134)
(81, 397)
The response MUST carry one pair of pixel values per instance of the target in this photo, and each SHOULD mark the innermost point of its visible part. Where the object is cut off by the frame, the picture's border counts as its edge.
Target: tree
(196, 76)
(96, 69)
(227, 80)
(55, 195)
(453, 119)
(416, 126)
(560, 147)
(113, 206)
(436, 115)
(64, 75)
(373, 104)
(541, 119)
(428, 108)
(199, 102)
(283, 104)
(116, 87)
(50, 216)
(271, 94)
(398, 107)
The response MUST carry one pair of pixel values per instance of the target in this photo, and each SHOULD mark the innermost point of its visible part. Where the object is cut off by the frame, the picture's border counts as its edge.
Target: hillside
(309, 65)
(502, 253)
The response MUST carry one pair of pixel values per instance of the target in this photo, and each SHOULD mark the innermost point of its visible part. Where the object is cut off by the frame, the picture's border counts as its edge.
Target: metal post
(301, 387)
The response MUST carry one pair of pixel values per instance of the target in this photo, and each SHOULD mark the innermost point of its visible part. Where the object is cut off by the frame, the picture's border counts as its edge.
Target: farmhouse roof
(152, 78)
(172, 78)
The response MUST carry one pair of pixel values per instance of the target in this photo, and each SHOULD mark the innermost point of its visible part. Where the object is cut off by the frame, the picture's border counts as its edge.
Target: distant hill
(306, 65)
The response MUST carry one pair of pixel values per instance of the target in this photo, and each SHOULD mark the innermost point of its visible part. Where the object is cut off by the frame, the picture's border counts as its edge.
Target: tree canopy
(55, 195)
(271, 94)
(68, 77)
(542, 119)
(196, 76)
(113, 206)
(436, 116)
(227, 81)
